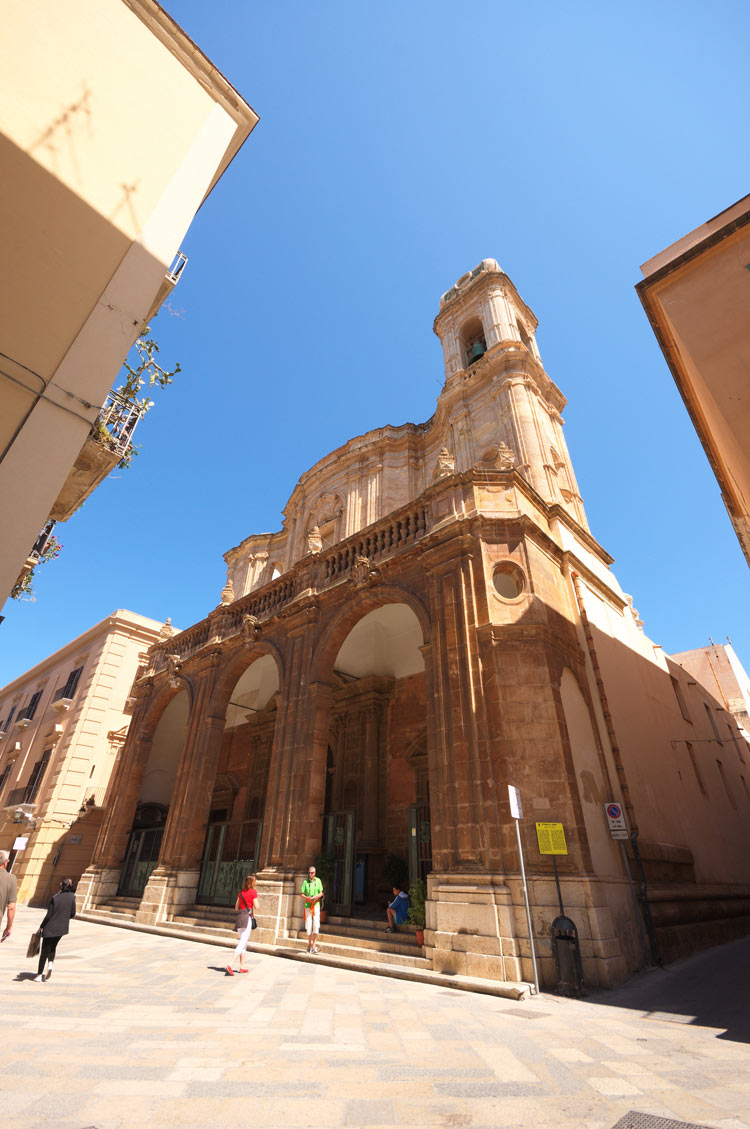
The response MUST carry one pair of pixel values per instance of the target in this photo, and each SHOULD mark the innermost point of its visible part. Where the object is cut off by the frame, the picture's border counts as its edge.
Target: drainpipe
(621, 774)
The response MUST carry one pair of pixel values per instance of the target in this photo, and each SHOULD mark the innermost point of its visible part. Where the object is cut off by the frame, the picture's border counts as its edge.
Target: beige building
(723, 675)
(114, 127)
(433, 622)
(62, 726)
(697, 296)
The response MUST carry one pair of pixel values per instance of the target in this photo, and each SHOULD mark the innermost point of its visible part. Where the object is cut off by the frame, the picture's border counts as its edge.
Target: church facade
(433, 623)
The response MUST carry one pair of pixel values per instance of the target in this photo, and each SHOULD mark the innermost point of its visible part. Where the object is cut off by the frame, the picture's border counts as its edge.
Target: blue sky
(399, 144)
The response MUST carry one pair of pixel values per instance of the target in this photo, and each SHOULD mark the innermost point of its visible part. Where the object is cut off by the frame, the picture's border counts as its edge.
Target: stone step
(212, 928)
(352, 952)
(128, 905)
(381, 942)
(104, 914)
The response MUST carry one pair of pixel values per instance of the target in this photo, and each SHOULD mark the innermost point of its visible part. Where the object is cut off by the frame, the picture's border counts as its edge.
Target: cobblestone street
(136, 1030)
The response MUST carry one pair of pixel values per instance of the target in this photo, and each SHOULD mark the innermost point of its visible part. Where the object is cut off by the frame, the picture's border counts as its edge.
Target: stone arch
(371, 657)
(239, 662)
(593, 788)
(156, 708)
(335, 633)
(244, 709)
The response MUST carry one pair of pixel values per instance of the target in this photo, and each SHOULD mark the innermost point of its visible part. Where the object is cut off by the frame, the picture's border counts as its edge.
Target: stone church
(434, 622)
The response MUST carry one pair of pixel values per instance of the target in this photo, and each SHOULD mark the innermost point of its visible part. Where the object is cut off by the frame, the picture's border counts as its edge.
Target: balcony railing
(398, 533)
(116, 423)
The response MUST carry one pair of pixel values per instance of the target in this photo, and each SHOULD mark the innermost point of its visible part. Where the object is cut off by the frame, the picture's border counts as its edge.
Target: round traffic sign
(614, 811)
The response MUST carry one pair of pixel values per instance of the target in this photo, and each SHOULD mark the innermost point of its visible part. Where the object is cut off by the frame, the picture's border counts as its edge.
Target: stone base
(96, 885)
(278, 898)
(476, 926)
(168, 892)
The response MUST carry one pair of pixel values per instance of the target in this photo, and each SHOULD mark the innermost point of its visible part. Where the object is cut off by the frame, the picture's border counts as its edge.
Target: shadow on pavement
(710, 989)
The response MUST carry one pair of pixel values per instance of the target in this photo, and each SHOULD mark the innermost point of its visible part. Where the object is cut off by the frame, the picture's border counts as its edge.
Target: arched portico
(154, 795)
(235, 819)
(377, 713)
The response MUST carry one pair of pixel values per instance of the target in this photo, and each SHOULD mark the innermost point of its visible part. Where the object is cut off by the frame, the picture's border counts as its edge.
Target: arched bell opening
(473, 342)
(235, 824)
(144, 843)
(378, 711)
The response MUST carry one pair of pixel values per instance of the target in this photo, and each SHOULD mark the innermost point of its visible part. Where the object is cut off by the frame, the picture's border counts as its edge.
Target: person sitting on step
(398, 909)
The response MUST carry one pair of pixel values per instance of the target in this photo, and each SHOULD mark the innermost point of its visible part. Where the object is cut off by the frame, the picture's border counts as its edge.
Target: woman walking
(55, 925)
(247, 900)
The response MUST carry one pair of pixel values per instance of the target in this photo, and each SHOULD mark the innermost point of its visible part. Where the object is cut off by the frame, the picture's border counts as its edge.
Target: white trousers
(244, 938)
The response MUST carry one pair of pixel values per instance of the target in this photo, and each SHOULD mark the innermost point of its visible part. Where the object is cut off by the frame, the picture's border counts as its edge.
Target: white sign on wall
(20, 843)
(516, 807)
(616, 819)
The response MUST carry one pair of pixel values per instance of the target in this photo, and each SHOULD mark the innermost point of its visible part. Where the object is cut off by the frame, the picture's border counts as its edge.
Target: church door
(338, 840)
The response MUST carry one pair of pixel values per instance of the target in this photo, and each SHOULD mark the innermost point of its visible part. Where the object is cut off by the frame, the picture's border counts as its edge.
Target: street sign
(551, 838)
(516, 807)
(616, 819)
(20, 843)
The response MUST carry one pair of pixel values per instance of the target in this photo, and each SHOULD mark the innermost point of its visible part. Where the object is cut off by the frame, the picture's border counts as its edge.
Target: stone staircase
(361, 939)
(347, 938)
(117, 908)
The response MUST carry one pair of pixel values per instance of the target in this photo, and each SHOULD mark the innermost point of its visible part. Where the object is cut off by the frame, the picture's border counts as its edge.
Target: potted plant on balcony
(325, 868)
(416, 915)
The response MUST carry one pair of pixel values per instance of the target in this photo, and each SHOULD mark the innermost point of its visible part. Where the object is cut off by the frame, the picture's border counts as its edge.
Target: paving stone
(317, 1046)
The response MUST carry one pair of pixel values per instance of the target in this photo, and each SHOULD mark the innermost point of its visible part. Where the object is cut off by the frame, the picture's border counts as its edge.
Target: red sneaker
(243, 969)
(229, 970)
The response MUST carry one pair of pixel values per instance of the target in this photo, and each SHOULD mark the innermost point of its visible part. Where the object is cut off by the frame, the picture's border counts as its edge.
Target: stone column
(102, 876)
(470, 927)
(371, 766)
(296, 780)
(174, 882)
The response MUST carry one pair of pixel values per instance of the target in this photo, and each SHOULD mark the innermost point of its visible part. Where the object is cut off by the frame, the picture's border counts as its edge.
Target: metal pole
(528, 908)
(653, 943)
(557, 883)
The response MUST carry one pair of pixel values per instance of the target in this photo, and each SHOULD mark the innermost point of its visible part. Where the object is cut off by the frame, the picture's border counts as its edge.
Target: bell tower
(493, 366)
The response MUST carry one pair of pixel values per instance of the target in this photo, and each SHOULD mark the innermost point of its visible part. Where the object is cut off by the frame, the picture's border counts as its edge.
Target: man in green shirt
(312, 893)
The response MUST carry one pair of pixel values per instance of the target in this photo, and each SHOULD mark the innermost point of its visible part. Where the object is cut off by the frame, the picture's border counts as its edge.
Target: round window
(508, 580)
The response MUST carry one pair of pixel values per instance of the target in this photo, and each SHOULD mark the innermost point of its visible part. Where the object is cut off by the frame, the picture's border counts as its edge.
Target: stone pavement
(138, 1030)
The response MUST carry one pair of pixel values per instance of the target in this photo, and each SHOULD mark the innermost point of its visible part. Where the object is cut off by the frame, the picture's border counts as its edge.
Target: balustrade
(400, 531)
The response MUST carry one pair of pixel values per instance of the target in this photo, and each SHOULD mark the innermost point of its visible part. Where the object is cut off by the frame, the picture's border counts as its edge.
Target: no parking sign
(616, 820)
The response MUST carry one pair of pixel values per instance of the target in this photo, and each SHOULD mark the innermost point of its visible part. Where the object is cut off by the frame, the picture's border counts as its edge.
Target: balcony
(168, 283)
(17, 797)
(107, 444)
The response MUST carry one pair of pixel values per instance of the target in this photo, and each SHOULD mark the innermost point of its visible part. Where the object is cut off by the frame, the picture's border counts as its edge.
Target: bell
(478, 350)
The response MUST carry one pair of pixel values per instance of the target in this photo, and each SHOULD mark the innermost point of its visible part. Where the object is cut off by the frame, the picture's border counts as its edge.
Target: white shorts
(312, 919)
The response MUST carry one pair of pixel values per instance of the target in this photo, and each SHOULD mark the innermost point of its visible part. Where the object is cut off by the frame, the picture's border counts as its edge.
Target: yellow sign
(551, 839)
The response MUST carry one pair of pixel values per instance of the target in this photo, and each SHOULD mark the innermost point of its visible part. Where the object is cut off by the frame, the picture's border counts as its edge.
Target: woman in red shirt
(247, 900)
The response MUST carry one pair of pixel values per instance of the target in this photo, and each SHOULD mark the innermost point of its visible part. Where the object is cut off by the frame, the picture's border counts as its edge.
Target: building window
(696, 770)
(70, 687)
(508, 580)
(680, 699)
(9, 719)
(712, 722)
(4, 776)
(473, 342)
(27, 713)
(729, 792)
(35, 779)
(733, 736)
